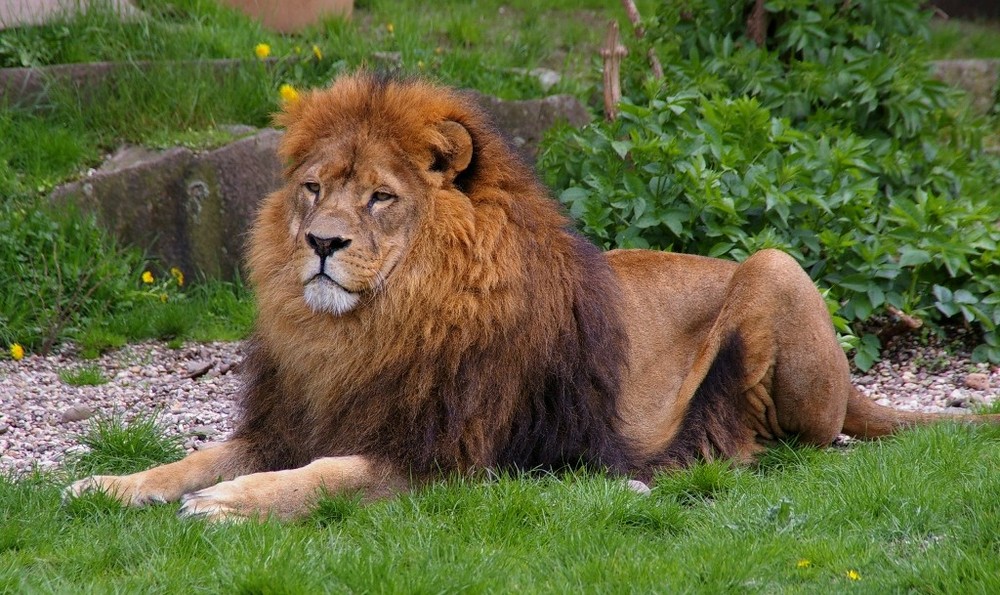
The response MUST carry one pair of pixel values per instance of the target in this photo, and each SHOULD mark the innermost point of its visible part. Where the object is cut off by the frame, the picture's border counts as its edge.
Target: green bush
(830, 142)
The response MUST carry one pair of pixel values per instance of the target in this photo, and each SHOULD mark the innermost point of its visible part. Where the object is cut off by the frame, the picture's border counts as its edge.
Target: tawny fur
(455, 322)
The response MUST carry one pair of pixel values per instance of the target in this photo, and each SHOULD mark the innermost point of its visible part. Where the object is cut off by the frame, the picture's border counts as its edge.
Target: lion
(425, 309)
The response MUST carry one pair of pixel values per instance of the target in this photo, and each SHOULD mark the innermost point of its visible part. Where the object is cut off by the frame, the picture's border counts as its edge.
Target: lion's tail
(867, 419)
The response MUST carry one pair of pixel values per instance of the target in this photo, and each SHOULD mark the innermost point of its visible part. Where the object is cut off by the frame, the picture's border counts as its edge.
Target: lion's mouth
(322, 277)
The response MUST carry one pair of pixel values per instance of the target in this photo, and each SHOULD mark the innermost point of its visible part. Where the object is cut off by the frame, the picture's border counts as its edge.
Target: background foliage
(831, 142)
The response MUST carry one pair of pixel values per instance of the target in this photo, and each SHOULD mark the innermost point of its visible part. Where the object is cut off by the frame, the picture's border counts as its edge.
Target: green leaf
(621, 147)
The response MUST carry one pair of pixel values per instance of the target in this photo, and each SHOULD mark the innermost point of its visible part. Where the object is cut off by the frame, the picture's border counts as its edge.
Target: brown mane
(497, 342)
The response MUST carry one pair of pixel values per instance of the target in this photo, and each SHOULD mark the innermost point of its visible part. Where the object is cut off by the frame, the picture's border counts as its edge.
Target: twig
(633, 16)
(612, 52)
(902, 323)
(757, 24)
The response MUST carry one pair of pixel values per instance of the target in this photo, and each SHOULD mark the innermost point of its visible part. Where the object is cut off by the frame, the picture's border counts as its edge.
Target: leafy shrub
(830, 142)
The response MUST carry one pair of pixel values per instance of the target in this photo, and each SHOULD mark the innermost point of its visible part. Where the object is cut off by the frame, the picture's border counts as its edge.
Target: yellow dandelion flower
(163, 298)
(420, 64)
(853, 575)
(178, 275)
(262, 50)
(288, 93)
(317, 52)
(803, 563)
(147, 277)
(17, 352)
(298, 50)
(390, 28)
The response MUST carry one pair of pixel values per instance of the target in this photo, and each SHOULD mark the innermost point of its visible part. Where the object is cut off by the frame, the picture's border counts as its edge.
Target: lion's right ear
(454, 154)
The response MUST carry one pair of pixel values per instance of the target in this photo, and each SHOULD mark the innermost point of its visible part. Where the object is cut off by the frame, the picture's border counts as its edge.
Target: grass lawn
(914, 513)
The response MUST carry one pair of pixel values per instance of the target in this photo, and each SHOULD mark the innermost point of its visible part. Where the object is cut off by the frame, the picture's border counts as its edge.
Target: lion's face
(357, 205)
(354, 216)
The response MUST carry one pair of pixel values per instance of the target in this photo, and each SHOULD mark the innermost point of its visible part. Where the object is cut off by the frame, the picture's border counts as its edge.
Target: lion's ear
(455, 154)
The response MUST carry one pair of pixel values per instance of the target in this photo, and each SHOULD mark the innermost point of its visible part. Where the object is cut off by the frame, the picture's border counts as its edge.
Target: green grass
(210, 310)
(956, 39)
(89, 375)
(115, 448)
(914, 513)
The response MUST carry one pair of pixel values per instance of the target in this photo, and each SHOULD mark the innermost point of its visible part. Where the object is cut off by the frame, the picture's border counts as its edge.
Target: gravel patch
(193, 391)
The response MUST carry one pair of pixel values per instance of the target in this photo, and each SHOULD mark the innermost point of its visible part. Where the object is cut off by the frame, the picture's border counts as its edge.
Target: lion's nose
(324, 247)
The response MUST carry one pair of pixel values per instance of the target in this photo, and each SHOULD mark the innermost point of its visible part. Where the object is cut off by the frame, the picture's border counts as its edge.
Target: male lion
(426, 309)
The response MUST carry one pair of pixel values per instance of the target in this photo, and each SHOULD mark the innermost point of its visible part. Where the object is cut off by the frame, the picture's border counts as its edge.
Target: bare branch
(902, 323)
(612, 52)
(757, 24)
(633, 16)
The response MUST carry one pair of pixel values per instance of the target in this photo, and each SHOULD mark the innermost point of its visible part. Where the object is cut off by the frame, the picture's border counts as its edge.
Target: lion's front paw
(126, 489)
(224, 501)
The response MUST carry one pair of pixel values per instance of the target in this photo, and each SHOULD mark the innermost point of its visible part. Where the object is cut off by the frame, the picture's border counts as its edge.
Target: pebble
(638, 487)
(977, 381)
(77, 413)
(198, 368)
(149, 378)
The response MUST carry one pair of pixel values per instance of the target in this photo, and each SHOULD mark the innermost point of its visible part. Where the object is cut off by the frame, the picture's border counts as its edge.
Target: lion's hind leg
(715, 422)
(770, 368)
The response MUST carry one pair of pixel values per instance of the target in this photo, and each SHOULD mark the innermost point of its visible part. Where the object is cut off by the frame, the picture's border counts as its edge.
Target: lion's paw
(125, 489)
(221, 502)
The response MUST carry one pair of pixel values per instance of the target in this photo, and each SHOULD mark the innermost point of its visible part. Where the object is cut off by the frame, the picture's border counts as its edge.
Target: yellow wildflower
(298, 50)
(178, 274)
(853, 575)
(288, 93)
(317, 52)
(163, 298)
(147, 277)
(390, 28)
(420, 64)
(439, 50)
(17, 352)
(262, 50)
(803, 563)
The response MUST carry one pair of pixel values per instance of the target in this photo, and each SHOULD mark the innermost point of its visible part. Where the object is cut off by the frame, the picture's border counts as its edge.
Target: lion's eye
(380, 196)
(312, 187)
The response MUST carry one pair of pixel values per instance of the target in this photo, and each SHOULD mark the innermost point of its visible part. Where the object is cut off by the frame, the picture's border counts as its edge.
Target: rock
(202, 432)
(77, 413)
(3, 428)
(20, 13)
(977, 381)
(638, 487)
(978, 78)
(291, 16)
(190, 210)
(527, 121)
(197, 369)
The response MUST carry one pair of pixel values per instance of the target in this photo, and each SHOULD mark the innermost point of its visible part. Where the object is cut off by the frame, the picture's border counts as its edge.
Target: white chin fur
(324, 296)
